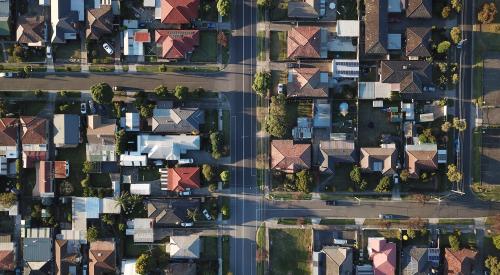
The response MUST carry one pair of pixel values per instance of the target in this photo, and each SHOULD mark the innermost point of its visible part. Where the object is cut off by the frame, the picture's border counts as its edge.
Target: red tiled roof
(176, 43)
(8, 131)
(102, 258)
(33, 130)
(179, 11)
(181, 178)
(7, 260)
(45, 177)
(289, 157)
(304, 42)
(60, 169)
(30, 157)
(459, 262)
(383, 256)
(142, 36)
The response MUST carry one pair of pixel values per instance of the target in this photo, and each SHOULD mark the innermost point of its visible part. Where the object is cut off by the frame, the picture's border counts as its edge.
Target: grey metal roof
(37, 249)
(171, 211)
(337, 151)
(4, 9)
(66, 129)
(185, 120)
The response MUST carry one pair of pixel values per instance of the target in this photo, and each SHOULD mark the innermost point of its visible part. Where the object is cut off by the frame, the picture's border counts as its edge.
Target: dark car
(118, 88)
(331, 202)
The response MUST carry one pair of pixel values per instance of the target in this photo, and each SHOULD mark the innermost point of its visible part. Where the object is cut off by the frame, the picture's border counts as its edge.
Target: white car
(281, 88)
(108, 48)
(187, 224)
(7, 75)
(186, 192)
(395, 177)
(206, 214)
(49, 52)
(83, 108)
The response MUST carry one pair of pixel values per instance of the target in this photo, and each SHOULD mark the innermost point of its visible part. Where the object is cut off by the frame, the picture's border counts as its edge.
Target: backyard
(290, 251)
(373, 124)
(207, 50)
(75, 157)
(277, 46)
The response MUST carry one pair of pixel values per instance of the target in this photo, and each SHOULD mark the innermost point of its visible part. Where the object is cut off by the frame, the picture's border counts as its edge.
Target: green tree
(146, 110)
(225, 210)
(445, 127)
(276, 122)
(264, 4)
(496, 241)
(303, 180)
(7, 199)
(262, 83)
(459, 124)
(454, 242)
(207, 172)
(493, 264)
(120, 142)
(193, 214)
(411, 233)
(86, 167)
(404, 175)
(216, 144)
(384, 185)
(456, 34)
(161, 91)
(180, 92)
(122, 227)
(457, 5)
(445, 12)
(92, 234)
(454, 78)
(224, 176)
(355, 174)
(144, 264)
(85, 182)
(107, 219)
(3, 108)
(487, 13)
(453, 174)
(443, 47)
(363, 185)
(102, 93)
(427, 137)
(212, 187)
(224, 7)
(38, 93)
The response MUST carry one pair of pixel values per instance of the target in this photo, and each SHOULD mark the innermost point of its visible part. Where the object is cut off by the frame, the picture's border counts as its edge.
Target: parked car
(281, 88)
(84, 269)
(7, 75)
(107, 48)
(206, 214)
(49, 52)
(187, 224)
(83, 108)
(385, 216)
(92, 106)
(118, 88)
(186, 192)
(395, 178)
(331, 202)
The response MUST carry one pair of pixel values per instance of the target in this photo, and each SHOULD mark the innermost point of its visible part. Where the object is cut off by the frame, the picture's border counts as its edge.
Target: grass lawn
(208, 247)
(295, 109)
(76, 157)
(277, 46)
(467, 240)
(211, 121)
(173, 69)
(69, 50)
(489, 247)
(290, 251)
(100, 180)
(261, 51)
(261, 246)
(208, 10)
(372, 124)
(132, 249)
(486, 38)
(341, 180)
(292, 221)
(73, 108)
(337, 221)
(27, 108)
(226, 125)
(207, 50)
(101, 69)
(290, 196)
(279, 10)
(226, 254)
(487, 192)
(68, 68)
(456, 221)
(148, 173)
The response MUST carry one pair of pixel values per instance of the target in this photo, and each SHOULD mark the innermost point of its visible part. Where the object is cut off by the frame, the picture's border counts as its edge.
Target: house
(413, 77)
(185, 247)
(376, 28)
(176, 44)
(417, 42)
(459, 262)
(100, 22)
(7, 253)
(335, 260)
(336, 151)
(31, 31)
(4, 17)
(66, 130)
(179, 12)
(131, 122)
(64, 21)
(170, 211)
(383, 255)
(47, 172)
(169, 147)
(307, 82)
(419, 260)
(306, 42)
(307, 9)
(101, 130)
(289, 157)
(180, 268)
(8, 137)
(67, 257)
(133, 41)
(420, 158)
(180, 178)
(167, 119)
(345, 68)
(421, 9)
(102, 257)
(142, 230)
(37, 248)
(381, 159)
(34, 138)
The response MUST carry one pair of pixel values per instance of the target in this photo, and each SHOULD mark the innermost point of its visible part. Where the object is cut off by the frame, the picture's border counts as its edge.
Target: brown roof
(459, 262)
(304, 42)
(100, 130)
(417, 41)
(8, 131)
(100, 22)
(175, 44)
(411, 75)
(102, 257)
(7, 260)
(372, 157)
(421, 159)
(33, 130)
(289, 157)
(181, 268)
(376, 27)
(64, 259)
(306, 82)
(30, 29)
(419, 9)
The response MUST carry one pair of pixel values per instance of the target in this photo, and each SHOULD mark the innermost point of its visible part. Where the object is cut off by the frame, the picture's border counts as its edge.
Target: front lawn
(278, 10)
(75, 157)
(487, 192)
(337, 222)
(207, 50)
(261, 51)
(208, 10)
(290, 251)
(67, 51)
(372, 124)
(277, 46)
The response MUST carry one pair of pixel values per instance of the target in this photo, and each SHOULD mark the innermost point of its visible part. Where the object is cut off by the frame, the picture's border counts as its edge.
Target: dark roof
(100, 22)
(412, 75)
(419, 9)
(66, 23)
(30, 29)
(376, 27)
(37, 249)
(417, 41)
(303, 9)
(8, 131)
(415, 261)
(63, 258)
(181, 268)
(178, 120)
(338, 260)
(304, 42)
(306, 82)
(290, 157)
(66, 129)
(336, 151)
(170, 211)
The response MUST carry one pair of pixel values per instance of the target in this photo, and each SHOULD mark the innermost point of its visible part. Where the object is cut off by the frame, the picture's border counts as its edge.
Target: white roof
(322, 115)
(143, 230)
(348, 28)
(92, 208)
(409, 110)
(169, 147)
(128, 267)
(427, 117)
(185, 247)
(374, 90)
(345, 68)
(130, 45)
(133, 159)
(110, 206)
(341, 44)
(132, 121)
(140, 189)
(149, 3)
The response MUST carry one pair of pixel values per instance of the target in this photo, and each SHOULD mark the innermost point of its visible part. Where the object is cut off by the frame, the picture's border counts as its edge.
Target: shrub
(212, 187)
(92, 234)
(487, 13)
(262, 83)
(384, 185)
(224, 176)
(445, 12)
(216, 144)
(304, 181)
(207, 172)
(443, 47)
(456, 35)
(161, 91)
(454, 242)
(355, 174)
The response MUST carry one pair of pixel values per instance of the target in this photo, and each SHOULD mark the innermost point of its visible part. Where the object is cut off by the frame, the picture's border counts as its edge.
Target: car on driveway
(281, 88)
(395, 178)
(49, 52)
(83, 108)
(206, 214)
(107, 48)
(92, 106)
